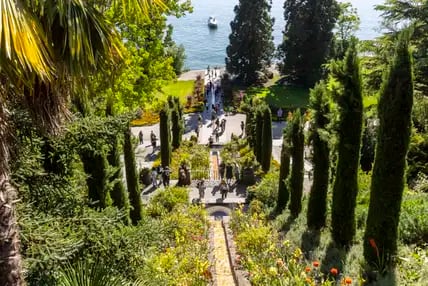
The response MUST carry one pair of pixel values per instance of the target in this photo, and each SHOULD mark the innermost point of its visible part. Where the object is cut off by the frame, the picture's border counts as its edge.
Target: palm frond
(22, 43)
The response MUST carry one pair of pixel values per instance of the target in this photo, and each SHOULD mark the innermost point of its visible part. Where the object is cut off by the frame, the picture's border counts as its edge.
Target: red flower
(348, 280)
(372, 243)
(316, 263)
(334, 271)
(307, 269)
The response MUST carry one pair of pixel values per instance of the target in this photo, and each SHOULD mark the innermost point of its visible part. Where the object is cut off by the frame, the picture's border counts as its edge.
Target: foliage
(394, 109)
(283, 188)
(132, 178)
(165, 135)
(413, 225)
(167, 200)
(177, 127)
(280, 95)
(317, 205)
(417, 157)
(194, 156)
(266, 154)
(297, 166)
(347, 91)
(307, 38)
(250, 48)
(347, 24)
(266, 191)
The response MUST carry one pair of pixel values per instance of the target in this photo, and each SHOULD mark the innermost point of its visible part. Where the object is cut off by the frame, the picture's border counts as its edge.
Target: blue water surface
(205, 46)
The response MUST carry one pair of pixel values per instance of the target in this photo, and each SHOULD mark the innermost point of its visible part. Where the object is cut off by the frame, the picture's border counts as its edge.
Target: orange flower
(348, 281)
(316, 263)
(308, 280)
(279, 262)
(334, 271)
(372, 243)
(307, 269)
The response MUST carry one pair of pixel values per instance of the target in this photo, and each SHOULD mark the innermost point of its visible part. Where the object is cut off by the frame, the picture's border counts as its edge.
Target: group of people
(160, 176)
(153, 139)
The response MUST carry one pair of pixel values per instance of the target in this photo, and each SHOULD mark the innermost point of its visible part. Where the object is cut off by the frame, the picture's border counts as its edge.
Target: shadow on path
(310, 240)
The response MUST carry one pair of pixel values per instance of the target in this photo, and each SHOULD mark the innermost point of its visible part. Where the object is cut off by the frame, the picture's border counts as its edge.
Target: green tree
(258, 134)
(39, 65)
(307, 40)
(297, 166)
(284, 170)
(132, 178)
(176, 120)
(394, 109)
(317, 205)
(165, 135)
(250, 48)
(266, 149)
(350, 102)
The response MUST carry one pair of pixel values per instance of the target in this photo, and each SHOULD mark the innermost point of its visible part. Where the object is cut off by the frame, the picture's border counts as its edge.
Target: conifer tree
(284, 170)
(394, 109)
(251, 46)
(259, 134)
(308, 35)
(319, 105)
(345, 186)
(165, 136)
(297, 166)
(176, 121)
(266, 148)
(132, 179)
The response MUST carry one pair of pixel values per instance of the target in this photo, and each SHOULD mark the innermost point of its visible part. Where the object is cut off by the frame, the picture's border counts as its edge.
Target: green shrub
(266, 191)
(413, 225)
(169, 198)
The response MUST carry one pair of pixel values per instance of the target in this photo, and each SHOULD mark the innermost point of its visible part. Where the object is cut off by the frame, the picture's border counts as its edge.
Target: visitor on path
(279, 113)
(141, 137)
(217, 135)
(153, 139)
(160, 175)
(221, 169)
(229, 174)
(200, 119)
(201, 188)
(236, 172)
(197, 131)
(154, 178)
(242, 127)
(217, 123)
(165, 176)
(224, 189)
(210, 141)
(223, 125)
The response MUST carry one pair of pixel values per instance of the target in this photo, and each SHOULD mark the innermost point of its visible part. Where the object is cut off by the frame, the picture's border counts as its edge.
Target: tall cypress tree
(251, 46)
(118, 192)
(345, 187)
(132, 178)
(319, 105)
(266, 149)
(165, 136)
(394, 109)
(259, 134)
(284, 170)
(297, 166)
(308, 35)
(177, 122)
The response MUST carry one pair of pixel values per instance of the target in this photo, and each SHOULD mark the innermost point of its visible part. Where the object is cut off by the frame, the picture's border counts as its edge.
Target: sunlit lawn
(180, 88)
(286, 97)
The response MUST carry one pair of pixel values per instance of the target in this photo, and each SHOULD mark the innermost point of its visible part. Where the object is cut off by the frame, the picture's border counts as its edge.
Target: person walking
(279, 113)
(242, 127)
(153, 139)
(165, 176)
(229, 174)
(201, 188)
(197, 131)
(154, 178)
(224, 189)
(141, 137)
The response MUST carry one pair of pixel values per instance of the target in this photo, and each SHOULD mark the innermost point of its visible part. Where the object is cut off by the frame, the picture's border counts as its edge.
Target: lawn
(286, 97)
(180, 88)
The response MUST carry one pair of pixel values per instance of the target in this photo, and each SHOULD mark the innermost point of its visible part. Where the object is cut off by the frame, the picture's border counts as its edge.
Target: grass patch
(277, 95)
(180, 88)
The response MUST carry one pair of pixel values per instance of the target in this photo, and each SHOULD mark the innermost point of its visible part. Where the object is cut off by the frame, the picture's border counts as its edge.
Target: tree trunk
(10, 257)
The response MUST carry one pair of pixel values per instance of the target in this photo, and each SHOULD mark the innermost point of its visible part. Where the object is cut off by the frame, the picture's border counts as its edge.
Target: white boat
(212, 22)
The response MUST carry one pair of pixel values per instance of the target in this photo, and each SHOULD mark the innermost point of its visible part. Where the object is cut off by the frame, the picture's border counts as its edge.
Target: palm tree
(47, 45)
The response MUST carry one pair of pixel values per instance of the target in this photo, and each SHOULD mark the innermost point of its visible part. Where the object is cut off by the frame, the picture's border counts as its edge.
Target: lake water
(208, 47)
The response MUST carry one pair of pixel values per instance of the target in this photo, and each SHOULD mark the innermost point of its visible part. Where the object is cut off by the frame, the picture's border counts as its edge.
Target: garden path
(223, 275)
